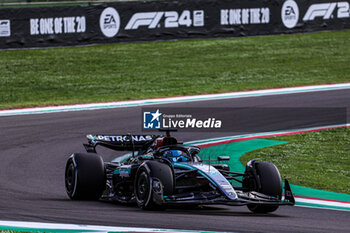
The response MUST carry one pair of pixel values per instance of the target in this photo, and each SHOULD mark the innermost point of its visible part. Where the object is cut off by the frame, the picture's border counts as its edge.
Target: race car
(159, 172)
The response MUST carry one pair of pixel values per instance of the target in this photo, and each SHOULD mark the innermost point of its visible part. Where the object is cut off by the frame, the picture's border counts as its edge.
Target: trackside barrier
(117, 22)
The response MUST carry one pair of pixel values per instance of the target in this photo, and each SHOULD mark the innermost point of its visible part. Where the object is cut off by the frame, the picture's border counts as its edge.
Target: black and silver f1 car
(161, 172)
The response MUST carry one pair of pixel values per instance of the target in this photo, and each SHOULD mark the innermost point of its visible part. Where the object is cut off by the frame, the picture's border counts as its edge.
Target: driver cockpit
(176, 156)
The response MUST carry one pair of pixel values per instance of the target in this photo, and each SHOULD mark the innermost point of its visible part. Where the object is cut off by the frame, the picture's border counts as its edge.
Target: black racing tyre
(147, 175)
(271, 184)
(85, 176)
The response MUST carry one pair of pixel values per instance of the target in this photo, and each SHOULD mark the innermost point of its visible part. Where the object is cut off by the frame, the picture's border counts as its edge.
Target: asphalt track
(34, 149)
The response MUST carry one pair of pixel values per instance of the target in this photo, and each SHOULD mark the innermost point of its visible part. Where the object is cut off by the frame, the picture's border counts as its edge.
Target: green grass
(318, 160)
(158, 69)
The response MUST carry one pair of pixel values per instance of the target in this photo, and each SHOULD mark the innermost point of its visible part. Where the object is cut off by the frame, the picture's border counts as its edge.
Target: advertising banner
(166, 20)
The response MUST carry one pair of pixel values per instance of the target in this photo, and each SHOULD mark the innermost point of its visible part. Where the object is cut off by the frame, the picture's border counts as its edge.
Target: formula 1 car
(160, 172)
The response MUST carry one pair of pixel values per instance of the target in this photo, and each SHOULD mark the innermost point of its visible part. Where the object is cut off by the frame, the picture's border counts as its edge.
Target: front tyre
(153, 180)
(271, 185)
(85, 177)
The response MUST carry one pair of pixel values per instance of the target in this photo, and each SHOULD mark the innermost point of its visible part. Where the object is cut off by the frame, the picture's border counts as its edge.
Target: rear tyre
(85, 177)
(153, 180)
(271, 184)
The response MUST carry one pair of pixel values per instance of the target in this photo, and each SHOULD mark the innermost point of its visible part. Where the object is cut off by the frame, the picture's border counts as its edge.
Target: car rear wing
(119, 142)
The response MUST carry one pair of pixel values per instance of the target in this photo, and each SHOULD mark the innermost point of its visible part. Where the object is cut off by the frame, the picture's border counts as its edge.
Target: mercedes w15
(159, 172)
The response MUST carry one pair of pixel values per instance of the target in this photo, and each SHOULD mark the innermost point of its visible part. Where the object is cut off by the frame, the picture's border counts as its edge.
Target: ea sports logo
(290, 13)
(109, 22)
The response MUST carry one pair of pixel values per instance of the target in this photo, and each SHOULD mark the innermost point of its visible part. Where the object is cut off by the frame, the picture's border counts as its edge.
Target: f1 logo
(327, 11)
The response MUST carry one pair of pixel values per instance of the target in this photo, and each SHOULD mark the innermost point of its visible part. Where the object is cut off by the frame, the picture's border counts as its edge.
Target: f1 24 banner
(168, 20)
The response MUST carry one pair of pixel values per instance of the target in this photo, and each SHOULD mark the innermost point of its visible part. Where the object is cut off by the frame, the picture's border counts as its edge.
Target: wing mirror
(223, 158)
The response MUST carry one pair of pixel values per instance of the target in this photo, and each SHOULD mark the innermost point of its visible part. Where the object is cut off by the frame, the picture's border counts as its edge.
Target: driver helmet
(176, 156)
